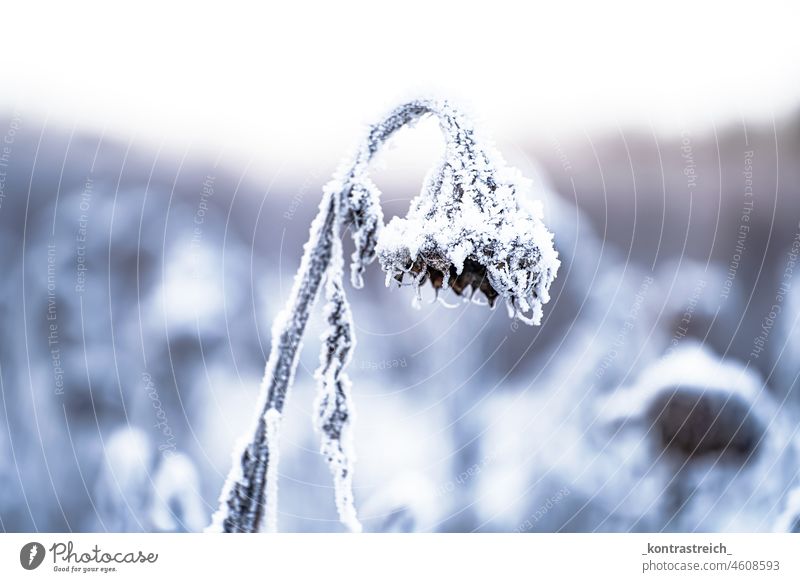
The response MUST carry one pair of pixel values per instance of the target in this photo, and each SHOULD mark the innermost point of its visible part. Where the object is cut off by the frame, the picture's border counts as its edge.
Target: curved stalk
(244, 499)
(469, 232)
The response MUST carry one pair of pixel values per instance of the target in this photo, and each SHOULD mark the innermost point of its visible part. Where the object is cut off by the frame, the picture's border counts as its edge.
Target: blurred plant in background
(133, 341)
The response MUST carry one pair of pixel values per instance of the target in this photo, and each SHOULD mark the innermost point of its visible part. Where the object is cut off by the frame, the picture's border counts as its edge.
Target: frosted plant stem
(466, 224)
(243, 503)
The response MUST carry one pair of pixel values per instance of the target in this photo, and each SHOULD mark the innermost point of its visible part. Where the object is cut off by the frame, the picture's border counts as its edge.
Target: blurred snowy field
(660, 392)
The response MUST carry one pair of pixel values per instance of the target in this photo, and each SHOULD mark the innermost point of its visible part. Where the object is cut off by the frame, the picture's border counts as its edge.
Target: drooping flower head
(471, 228)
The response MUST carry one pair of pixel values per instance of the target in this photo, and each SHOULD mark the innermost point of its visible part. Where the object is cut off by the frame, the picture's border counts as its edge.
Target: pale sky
(295, 83)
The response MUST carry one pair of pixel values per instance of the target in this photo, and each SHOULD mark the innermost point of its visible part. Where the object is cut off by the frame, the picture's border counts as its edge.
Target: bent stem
(248, 499)
(465, 231)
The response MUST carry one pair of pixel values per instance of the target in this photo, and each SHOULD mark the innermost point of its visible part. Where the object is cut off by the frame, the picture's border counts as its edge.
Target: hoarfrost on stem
(243, 499)
(272, 421)
(467, 229)
(334, 404)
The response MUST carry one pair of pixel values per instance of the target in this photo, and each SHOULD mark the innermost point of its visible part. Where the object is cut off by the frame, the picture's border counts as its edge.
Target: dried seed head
(467, 230)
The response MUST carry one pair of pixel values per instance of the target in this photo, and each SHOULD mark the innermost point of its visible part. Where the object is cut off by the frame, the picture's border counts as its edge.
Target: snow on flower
(468, 231)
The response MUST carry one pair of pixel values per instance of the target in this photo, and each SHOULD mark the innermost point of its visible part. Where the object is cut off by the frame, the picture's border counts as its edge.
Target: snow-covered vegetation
(139, 288)
(466, 230)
